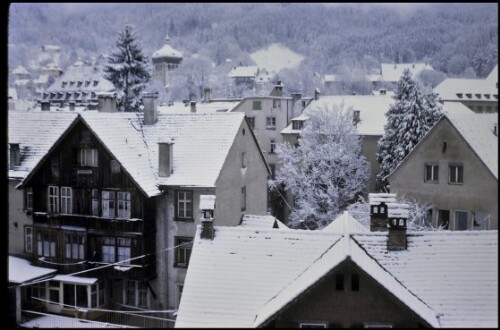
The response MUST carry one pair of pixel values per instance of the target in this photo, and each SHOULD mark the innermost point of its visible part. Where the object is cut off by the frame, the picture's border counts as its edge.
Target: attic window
(79, 84)
(468, 95)
(383, 92)
(460, 95)
(87, 83)
(478, 96)
(297, 124)
(115, 166)
(64, 83)
(487, 96)
(356, 116)
(95, 83)
(339, 282)
(71, 83)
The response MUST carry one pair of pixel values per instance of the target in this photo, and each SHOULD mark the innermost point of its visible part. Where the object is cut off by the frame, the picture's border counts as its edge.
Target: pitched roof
(20, 70)
(459, 89)
(243, 71)
(261, 222)
(167, 51)
(372, 110)
(80, 77)
(21, 271)
(475, 128)
(345, 224)
(493, 76)
(34, 142)
(201, 107)
(393, 72)
(276, 57)
(429, 277)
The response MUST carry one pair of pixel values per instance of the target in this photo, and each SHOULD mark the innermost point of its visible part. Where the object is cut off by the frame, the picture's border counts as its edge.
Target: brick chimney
(165, 159)
(207, 94)
(45, 105)
(316, 94)
(379, 210)
(150, 101)
(106, 102)
(207, 208)
(193, 106)
(15, 155)
(397, 217)
(72, 106)
(277, 90)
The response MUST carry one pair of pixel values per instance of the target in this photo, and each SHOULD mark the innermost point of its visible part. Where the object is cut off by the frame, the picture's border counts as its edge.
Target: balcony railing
(89, 222)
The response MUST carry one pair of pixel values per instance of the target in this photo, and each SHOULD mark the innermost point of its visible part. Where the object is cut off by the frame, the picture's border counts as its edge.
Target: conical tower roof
(167, 51)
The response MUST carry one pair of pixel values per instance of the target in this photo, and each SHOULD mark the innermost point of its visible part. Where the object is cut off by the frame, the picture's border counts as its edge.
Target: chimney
(397, 217)
(193, 106)
(316, 94)
(14, 155)
(207, 94)
(45, 105)
(277, 90)
(296, 96)
(106, 102)
(72, 106)
(150, 101)
(207, 208)
(379, 210)
(165, 159)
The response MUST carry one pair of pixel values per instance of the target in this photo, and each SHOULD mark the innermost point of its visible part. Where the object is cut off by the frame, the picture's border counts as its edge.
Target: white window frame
(95, 202)
(53, 199)
(74, 288)
(272, 146)
(434, 173)
(108, 249)
(74, 246)
(66, 200)
(454, 170)
(98, 294)
(251, 122)
(486, 219)
(270, 122)
(183, 253)
(184, 204)
(88, 157)
(455, 219)
(46, 246)
(135, 295)
(28, 239)
(108, 203)
(124, 204)
(124, 246)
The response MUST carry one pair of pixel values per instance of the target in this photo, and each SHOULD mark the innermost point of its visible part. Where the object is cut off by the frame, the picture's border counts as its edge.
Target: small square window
(431, 173)
(271, 122)
(456, 174)
(115, 166)
(339, 282)
(355, 282)
(257, 105)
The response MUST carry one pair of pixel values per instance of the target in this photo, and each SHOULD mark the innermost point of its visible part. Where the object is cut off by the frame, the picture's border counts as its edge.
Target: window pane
(69, 294)
(460, 220)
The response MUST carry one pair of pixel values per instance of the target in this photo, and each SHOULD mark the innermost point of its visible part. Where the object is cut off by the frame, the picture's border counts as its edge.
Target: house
(114, 200)
(243, 277)
(20, 73)
(244, 75)
(165, 60)
(454, 169)
(392, 72)
(369, 115)
(79, 85)
(479, 95)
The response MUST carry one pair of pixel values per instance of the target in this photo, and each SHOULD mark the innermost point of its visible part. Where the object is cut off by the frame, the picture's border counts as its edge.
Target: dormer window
(71, 83)
(79, 84)
(356, 116)
(468, 95)
(478, 96)
(383, 92)
(460, 95)
(487, 96)
(95, 83)
(87, 83)
(297, 124)
(64, 83)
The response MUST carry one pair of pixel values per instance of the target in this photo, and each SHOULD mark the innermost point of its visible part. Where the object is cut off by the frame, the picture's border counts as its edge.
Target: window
(75, 295)
(356, 117)
(54, 292)
(251, 122)
(243, 198)
(276, 103)
(444, 218)
(54, 168)
(479, 108)
(38, 291)
(53, 199)
(108, 203)
(29, 199)
(431, 173)
(115, 166)
(460, 95)
(312, 325)
(28, 239)
(339, 282)
(108, 249)
(97, 294)
(257, 105)
(179, 294)
(428, 218)
(135, 293)
(355, 282)
(88, 157)
(183, 251)
(124, 204)
(46, 244)
(124, 247)
(66, 200)
(87, 83)
(95, 83)
(480, 221)
(271, 122)
(272, 167)
(460, 220)
(184, 205)
(75, 246)
(273, 146)
(95, 202)
(79, 84)
(456, 174)
(243, 160)
(297, 124)
(64, 83)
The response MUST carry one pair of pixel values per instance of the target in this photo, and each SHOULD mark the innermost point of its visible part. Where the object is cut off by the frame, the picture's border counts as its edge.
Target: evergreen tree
(410, 117)
(128, 69)
(326, 171)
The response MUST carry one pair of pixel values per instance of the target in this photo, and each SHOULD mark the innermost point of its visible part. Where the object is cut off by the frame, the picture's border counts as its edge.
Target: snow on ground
(276, 57)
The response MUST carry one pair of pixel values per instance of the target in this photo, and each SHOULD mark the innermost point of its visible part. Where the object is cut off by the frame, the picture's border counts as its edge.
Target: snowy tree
(410, 117)
(326, 171)
(128, 69)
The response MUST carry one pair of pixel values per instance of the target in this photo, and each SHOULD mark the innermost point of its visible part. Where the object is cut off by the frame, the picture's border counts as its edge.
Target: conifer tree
(128, 69)
(410, 117)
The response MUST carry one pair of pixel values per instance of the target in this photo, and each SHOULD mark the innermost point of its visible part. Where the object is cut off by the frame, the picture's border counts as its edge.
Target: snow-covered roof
(459, 89)
(207, 202)
(22, 82)
(21, 271)
(345, 224)
(20, 70)
(261, 222)
(449, 279)
(372, 109)
(75, 279)
(393, 72)
(34, 142)
(81, 77)
(12, 93)
(477, 130)
(377, 198)
(329, 78)
(42, 79)
(243, 71)
(58, 321)
(167, 51)
(201, 107)
(493, 76)
(276, 57)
